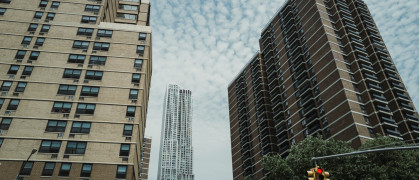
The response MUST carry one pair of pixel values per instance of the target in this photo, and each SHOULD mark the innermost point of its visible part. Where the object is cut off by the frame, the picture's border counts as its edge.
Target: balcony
(371, 76)
(390, 132)
(314, 129)
(380, 98)
(284, 148)
(393, 76)
(363, 58)
(402, 96)
(280, 129)
(383, 109)
(388, 120)
(356, 40)
(367, 67)
(407, 107)
(309, 108)
(397, 86)
(414, 127)
(282, 138)
(389, 68)
(311, 119)
(411, 117)
(374, 87)
(380, 50)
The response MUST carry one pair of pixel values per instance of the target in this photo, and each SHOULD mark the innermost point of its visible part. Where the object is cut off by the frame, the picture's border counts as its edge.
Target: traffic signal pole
(363, 152)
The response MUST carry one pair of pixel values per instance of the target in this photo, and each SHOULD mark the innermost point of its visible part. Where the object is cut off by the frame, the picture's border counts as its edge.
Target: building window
(74, 147)
(88, 19)
(85, 31)
(55, 4)
(97, 60)
(81, 44)
(61, 107)
(5, 123)
(130, 111)
(45, 28)
(26, 169)
(138, 63)
(32, 27)
(371, 132)
(21, 87)
(94, 75)
(13, 104)
(367, 120)
(86, 170)
(89, 91)
(67, 89)
(1, 102)
(27, 70)
(2, 11)
(72, 73)
(126, 16)
(38, 15)
(128, 7)
(363, 110)
(104, 33)
(43, 3)
(136, 78)
(101, 46)
(20, 54)
(1, 141)
(56, 126)
(76, 58)
(48, 169)
(92, 8)
(26, 40)
(65, 169)
(124, 151)
(6, 85)
(142, 36)
(127, 130)
(50, 16)
(140, 49)
(83, 108)
(121, 172)
(50, 146)
(133, 94)
(34, 54)
(13, 69)
(81, 127)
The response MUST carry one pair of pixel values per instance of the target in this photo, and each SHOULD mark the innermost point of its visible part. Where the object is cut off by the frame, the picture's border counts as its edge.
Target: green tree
(385, 165)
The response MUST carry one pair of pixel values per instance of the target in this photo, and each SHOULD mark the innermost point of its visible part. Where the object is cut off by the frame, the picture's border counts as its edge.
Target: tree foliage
(383, 165)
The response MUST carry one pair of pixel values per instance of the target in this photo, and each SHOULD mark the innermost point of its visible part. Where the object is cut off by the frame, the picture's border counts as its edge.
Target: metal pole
(24, 163)
(366, 151)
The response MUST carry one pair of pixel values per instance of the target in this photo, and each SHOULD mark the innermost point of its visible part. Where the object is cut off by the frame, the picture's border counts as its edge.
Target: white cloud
(202, 45)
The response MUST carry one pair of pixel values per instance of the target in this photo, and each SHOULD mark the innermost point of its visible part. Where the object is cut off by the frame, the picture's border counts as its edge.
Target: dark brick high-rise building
(322, 69)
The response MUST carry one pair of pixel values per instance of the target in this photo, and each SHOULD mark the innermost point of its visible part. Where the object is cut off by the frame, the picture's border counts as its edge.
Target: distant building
(323, 69)
(75, 83)
(175, 162)
(145, 160)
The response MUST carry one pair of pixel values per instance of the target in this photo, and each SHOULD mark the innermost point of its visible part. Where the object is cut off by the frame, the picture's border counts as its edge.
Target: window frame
(104, 33)
(76, 149)
(61, 109)
(94, 76)
(81, 44)
(47, 146)
(13, 69)
(32, 29)
(26, 72)
(49, 171)
(140, 49)
(25, 170)
(50, 16)
(5, 123)
(27, 40)
(128, 129)
(121, 171)
(38, 15)
(101, 46)
(11, 106)
(55, 4)
(57, 127)
(129, 112)
(89, 91)
(65, 89)
(134, 79)
(87, 108)
(133, 95)
(6, 85)
(97, 60)
(2, 11)
(72, 75)
(89, 19)
(64, 172)
(76, 58)
(83, 127)
(138, 63)
(20, 54)
(21, 86)
(142, 36)
(43, 4)
(92, 8)
(85, 31)
(123, 151)
(45, 28)
(86, 173)
(34, 55)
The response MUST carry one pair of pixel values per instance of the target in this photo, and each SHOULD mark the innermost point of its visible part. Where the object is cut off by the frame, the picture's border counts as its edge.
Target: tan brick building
(145, 161)
(323, 69)
(75, 79)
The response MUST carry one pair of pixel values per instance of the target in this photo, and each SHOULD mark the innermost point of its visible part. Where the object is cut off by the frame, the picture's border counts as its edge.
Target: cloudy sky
(202, 45)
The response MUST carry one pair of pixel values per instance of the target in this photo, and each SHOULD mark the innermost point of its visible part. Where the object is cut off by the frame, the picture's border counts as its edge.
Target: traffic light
(311, 175)
(321, 174)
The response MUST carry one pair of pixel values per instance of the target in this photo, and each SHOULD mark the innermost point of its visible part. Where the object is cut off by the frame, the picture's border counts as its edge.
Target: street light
(24, 163)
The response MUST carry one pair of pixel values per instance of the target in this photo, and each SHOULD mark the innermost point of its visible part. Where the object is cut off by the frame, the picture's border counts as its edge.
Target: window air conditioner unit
(89, 66)
(142, 41)
(60, 134)
(84, 50)
(29, 61)
(76, 80)
(128, 138)
(37, 20)
(77, 116)
(46, 20)
(136, 84)
(5, 93)
(1, 132)
(134, 101)
(70, 97)
(51, 9)
(94, 51)
(19, 60)
(89, 37)
(15, 94)
(66, 156)
(79, 65)
(96, 13)
(42, 8)
(124, 159)
(12, 76)
(32, 32)
(25, 46)
(8, 112)
(81, 98)
(54, 155)
(41, 34)
(131, 119)
(97, 38)
(86, 81)
(35, 47)
(66, 115)
(23, 77)
(71, 135)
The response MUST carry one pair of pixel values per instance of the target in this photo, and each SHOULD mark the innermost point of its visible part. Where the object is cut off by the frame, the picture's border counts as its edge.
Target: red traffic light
(319, 170)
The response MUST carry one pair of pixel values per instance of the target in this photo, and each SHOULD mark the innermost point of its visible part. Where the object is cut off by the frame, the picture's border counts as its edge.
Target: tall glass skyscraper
(175, 162)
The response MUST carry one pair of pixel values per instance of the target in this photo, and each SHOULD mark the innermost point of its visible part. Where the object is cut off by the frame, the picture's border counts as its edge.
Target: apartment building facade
(176, 151)
(323, 69)
(75, 79)
(145, 158)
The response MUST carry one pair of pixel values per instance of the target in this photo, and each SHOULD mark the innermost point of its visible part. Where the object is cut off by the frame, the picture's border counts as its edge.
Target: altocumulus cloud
(202, 45)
